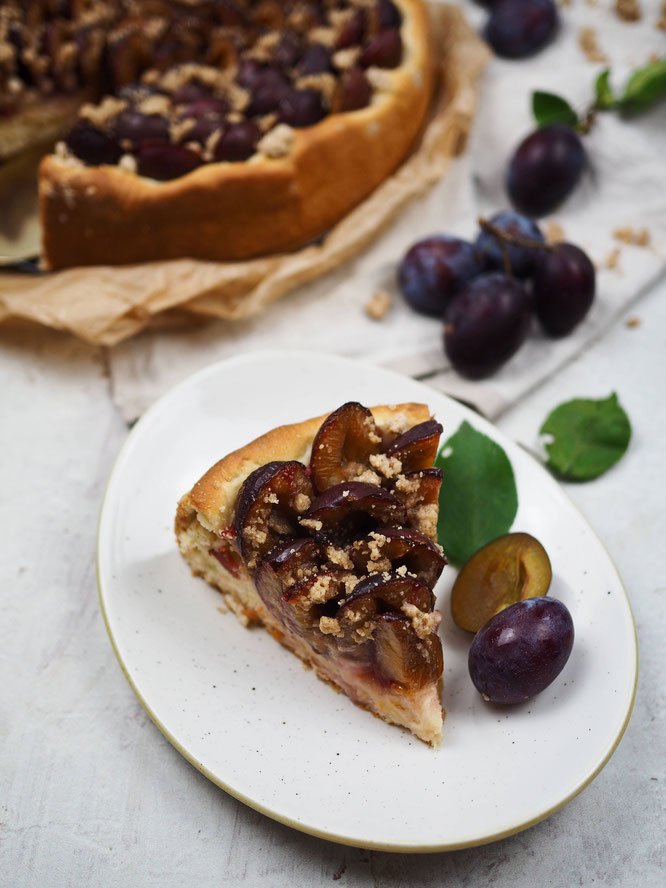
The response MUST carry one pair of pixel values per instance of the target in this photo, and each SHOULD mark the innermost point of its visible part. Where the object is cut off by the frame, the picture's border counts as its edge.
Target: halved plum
(417, 447)
(342, 445)
(403, 547)
(296, 560)
(268, 505)
(352, 509)
(379, 593)
(400, 656)
(509, 569)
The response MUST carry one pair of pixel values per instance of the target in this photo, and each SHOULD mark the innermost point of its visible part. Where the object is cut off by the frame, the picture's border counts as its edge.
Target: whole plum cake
(214, 129)
(325, 533)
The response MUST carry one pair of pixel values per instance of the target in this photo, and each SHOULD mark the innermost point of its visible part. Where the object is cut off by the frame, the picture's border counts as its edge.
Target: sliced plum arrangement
(487, 294)
(342, 551)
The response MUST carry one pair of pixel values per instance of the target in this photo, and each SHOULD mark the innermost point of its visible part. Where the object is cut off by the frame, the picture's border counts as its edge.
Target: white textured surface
(90, 791)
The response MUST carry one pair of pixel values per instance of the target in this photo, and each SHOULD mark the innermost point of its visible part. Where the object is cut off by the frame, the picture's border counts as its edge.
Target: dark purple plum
(521, 650)
(288, 50)
(486, 323)
(190, 92)
(301, 107)
(384, 50)
(521, 259)
(433, 270)
(269, 88)
(545, 169)
(135, 127)
(520, 28)
(316, 59)
(249, 73)
(163, 161)
(563, 288)
(354, 90)
(417, 447)
(238, 142)
(93, 145)
(352, 30)
(389, 14)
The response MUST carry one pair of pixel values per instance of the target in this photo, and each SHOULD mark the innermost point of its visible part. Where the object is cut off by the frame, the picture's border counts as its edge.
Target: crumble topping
(330, 626)
(425, 519)
(389, 466)
(369, 477)
(302, 503)
(277, 142)
(312, 523)
(101, 114)
(339, 557)
(628, 10)
(424, 624)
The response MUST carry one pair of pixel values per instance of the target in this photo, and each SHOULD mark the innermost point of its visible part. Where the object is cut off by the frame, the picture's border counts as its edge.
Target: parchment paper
(105, 305)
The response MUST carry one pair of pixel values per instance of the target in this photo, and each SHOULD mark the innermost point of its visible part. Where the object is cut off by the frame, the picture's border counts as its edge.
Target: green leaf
(549, 108)
(478, 499)
(645, 87)
(588, 437)
(603, 92)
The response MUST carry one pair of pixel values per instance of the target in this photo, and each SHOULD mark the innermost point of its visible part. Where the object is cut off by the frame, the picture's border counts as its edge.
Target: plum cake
(324, 532)
(214, 129)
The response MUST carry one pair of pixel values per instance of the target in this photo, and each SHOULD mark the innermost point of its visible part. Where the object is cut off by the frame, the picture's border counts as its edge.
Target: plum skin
(521, 650)
(545, 169)
(521, 259)
(520, 28)
(486, 323)
(563, 288)
(433, 270)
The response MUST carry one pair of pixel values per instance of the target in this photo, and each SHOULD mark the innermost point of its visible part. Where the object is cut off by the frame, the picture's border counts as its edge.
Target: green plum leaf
(586, 437)
(478, 499)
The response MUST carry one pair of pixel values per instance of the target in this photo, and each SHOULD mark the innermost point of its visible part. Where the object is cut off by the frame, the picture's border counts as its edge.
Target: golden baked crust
(213, 496)
(228, 211)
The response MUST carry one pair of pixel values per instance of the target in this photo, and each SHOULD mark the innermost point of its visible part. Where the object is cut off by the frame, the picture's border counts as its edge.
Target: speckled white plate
(243, 710)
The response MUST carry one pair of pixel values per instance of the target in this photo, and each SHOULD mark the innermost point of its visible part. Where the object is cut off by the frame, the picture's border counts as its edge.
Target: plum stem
(504, 238)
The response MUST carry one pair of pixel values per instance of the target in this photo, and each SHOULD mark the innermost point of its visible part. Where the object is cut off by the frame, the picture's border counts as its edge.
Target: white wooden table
(90, 791)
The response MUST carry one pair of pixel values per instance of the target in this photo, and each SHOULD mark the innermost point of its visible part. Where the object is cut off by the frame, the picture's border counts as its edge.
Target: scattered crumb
(592, 2)
(587, 40)
(628, 10)
(633, 322)
(378, 306)
(554, 232)
(635, 237)
(565, 2)
(613, 258)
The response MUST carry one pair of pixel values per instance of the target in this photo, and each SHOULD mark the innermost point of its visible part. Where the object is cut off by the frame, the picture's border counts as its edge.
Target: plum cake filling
(176, 84)
(342, 571)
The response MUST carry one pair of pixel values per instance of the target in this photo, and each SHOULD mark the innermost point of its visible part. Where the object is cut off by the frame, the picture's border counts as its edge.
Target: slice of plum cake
(325, 533)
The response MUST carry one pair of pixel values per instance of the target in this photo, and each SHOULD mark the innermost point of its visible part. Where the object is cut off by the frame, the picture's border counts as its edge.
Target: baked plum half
(268, 505)
(417, 447)
(401, 657)
(352, 509)
(390, 548)
(343, 445)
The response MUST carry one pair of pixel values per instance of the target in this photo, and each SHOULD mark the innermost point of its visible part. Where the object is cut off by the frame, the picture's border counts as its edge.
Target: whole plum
(520, 28)
(545, 169)
(563, 288)
(486, 323)
(521, 650)
(433, 270)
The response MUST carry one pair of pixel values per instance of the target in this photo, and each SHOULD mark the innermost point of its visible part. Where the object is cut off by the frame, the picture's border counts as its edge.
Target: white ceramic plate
(243, 710)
